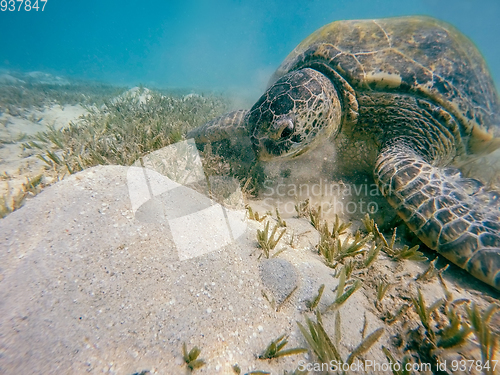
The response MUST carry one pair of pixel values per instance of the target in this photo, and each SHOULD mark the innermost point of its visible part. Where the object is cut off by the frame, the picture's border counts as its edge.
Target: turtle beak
(282, 127)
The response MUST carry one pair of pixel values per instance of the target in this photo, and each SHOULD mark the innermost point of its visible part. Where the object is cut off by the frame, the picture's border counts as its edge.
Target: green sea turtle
(418, 97)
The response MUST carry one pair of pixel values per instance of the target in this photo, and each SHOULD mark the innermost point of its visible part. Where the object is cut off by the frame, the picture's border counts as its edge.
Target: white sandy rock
(87, 287)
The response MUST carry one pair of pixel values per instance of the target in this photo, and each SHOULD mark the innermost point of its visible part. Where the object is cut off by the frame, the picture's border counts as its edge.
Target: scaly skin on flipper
(415, 97)
(230, 126)
(230, 138)
(450, 214)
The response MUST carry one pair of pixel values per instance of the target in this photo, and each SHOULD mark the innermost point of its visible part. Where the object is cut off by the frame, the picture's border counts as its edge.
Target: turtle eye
(287, 131)
(284, 127)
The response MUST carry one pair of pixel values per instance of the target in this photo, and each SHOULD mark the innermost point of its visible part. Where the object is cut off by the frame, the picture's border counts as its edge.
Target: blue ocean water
(201, 44)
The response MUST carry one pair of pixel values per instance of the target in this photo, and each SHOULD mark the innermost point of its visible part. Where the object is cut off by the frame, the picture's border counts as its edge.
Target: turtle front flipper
(456, 216)
(230, 126)
(228, 136)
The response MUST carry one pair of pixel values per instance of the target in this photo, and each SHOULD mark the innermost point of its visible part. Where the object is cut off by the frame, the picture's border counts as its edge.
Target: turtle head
(296, 113)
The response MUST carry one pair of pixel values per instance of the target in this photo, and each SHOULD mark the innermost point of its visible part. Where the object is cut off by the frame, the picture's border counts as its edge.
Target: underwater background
(230, 45)
(92, 279)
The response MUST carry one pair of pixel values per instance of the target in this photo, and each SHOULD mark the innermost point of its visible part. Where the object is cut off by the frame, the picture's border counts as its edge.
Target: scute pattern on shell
(418, 55)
